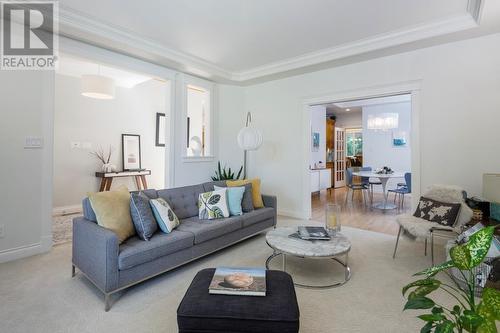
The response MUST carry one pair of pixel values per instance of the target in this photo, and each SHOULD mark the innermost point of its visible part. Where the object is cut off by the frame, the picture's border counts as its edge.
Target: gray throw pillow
(142, 216)
(247, 201)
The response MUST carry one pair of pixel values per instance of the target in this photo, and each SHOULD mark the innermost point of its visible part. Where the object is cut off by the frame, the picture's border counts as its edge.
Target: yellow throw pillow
(112, 209)
(256, 196)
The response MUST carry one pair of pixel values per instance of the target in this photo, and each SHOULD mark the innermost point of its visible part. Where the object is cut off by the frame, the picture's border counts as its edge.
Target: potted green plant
(223, 174)
(469, 314)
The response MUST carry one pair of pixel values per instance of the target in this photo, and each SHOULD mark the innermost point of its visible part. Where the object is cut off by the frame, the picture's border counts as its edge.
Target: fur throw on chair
(415, 227)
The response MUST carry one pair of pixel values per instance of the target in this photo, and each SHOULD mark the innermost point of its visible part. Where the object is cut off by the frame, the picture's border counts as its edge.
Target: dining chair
(418, 228)
(401, 190)
(351, 186)
(370, 182)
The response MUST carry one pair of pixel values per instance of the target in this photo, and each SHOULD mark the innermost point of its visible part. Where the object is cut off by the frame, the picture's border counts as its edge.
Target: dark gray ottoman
(277, 312)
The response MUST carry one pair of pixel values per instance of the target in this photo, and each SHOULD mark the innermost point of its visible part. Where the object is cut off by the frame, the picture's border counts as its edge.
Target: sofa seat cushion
(204, 230)
(135, 251)
(257, 215)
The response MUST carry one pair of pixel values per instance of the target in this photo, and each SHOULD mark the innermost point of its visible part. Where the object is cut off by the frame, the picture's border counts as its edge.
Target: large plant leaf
(431, 271)
(420, 283)
(470, 320)
(461, 257)
(427, 328)
(239, 172)
(432, 317)
(491, 302)
(445, 327)
(479, 244)
(214, 199)
(419, 303)
(203, 214)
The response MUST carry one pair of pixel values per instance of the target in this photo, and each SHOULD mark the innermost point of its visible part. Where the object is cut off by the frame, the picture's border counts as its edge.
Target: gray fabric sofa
(112, 267)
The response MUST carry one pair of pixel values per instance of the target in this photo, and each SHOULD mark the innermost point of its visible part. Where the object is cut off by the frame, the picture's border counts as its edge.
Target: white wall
(318, 125)
(459, 116)
(101, 123)
(349, 120)
(378, 150)
(25, 174)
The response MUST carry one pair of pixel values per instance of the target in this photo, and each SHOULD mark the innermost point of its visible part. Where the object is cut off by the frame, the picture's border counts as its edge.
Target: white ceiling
(244, 39)
(77, 67)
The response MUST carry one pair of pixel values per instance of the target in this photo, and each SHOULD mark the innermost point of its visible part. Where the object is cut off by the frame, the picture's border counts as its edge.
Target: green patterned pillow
(213, 205)
(164, 215)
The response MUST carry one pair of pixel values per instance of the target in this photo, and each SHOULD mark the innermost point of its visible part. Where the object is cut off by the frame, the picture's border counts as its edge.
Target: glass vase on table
(332, 219)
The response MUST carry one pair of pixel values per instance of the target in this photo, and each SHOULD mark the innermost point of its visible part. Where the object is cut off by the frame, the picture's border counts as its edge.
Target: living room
(260, 72)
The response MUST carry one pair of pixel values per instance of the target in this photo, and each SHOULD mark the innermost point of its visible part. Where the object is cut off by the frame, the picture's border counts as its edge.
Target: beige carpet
(38, 295)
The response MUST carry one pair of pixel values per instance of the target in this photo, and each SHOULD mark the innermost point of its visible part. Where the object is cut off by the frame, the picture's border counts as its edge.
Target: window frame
(210, 88)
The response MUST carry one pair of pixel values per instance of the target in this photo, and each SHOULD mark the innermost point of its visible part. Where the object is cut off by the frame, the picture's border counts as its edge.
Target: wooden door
(339, 163)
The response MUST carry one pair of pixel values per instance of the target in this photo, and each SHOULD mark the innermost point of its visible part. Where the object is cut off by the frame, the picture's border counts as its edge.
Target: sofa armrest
(270, 201)
(95, 253)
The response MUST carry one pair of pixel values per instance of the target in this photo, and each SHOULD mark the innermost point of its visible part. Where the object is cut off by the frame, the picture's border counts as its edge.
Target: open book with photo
(239, 281)
(313, 233)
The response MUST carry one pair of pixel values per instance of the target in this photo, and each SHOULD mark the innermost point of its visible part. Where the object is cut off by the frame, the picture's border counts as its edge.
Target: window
(198, 120)
(354, 142)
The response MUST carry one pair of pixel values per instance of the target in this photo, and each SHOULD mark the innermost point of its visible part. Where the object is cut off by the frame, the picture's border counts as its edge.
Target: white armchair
(423, 229)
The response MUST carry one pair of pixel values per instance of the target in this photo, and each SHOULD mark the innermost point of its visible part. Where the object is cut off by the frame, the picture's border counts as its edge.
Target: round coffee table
(283, 245)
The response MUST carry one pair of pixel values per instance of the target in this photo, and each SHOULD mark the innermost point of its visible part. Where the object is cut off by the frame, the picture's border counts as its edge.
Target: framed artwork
(399, 139)
(315, 141)
(160, 130)
(131, 152)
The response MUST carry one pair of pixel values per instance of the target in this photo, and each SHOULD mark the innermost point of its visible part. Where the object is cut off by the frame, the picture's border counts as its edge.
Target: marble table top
(278, 240)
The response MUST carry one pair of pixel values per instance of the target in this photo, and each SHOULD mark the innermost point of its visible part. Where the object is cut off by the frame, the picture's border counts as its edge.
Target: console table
(107, 178)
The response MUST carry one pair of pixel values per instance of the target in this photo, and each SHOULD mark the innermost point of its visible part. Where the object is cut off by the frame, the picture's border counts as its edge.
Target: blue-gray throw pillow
(234, 197)
(142, 216)
(247, 202)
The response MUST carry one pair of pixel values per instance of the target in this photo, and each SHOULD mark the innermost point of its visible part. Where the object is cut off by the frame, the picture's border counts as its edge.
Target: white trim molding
(80, 26)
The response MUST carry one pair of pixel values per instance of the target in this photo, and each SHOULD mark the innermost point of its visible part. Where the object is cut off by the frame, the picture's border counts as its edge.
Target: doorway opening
(110, 131)
(367, 168)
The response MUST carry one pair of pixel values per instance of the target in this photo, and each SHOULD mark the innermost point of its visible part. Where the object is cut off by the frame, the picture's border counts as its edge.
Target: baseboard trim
(24, 251)
(291, 213)
(66, 210)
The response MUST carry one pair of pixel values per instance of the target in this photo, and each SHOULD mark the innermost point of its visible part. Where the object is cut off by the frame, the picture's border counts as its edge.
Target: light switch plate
(86, 145)
(75, 145)
(31, 142)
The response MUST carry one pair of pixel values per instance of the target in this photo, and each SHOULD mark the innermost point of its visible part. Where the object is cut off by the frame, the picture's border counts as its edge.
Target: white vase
(108, 167)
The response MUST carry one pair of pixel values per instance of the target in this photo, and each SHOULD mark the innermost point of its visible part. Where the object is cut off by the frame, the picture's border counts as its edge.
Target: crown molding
(375, 43)
(77, 25)
(80, 26)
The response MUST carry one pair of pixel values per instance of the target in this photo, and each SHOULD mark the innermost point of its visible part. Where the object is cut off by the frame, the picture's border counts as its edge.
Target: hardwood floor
(356, 214)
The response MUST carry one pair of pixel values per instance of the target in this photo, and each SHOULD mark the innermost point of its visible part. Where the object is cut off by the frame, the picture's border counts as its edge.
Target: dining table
(384, 178)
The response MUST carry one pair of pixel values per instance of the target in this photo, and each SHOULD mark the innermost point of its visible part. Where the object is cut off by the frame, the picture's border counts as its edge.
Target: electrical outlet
(75, 145)
(2, 231)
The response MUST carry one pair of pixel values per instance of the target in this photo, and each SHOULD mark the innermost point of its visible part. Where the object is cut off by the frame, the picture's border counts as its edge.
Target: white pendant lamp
(383, 122)
(249, 138)
(98, 86)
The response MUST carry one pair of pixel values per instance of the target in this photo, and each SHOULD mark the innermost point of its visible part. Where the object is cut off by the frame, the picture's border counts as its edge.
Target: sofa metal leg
(397, 241)
(425, 247)
(107, 302)
(73, 271)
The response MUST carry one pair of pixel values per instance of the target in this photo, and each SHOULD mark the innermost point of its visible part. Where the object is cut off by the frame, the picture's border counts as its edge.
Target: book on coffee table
(313, 233)
(238, 281)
